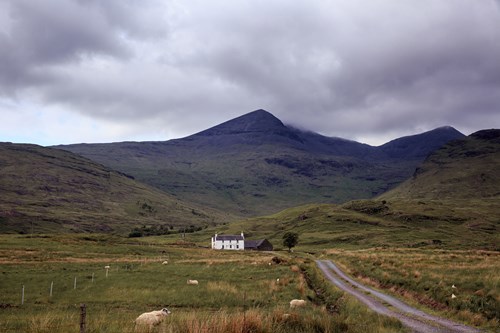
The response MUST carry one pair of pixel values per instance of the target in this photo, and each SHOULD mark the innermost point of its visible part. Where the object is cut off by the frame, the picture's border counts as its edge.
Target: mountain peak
(255, 121)
(420, 145)
(487, 134)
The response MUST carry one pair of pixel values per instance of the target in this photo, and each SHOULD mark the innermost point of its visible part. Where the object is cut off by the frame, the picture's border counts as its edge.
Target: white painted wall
(237, 245)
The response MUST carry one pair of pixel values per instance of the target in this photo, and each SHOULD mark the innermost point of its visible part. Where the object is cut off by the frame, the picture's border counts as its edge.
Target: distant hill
(52, 190)
(419, 146)
(255, 164)
(462, 169)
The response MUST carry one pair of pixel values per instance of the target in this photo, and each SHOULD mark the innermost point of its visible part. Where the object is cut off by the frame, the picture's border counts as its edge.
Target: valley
(410, 218)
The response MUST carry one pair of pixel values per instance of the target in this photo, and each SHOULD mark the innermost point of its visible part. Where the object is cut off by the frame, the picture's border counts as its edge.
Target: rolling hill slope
(256, 165)
(452, 201)
(459, 170)
(51, 190)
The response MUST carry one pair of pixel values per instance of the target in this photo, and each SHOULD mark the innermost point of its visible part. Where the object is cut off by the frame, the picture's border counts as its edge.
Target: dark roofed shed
(258, 245)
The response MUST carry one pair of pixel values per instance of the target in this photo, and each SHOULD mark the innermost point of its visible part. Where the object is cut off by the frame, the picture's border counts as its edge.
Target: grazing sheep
(149, 319)
(453, 296)
(165, 262)
(453, 287)
(295, 303)
(192, 282)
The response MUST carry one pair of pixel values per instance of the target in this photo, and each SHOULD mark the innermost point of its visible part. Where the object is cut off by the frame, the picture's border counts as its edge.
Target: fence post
(244, 311)
(51, 286)
(83, 317)
(74, 286)
(22, 296)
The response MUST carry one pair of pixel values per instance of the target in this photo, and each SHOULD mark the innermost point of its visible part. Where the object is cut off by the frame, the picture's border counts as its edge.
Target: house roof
(229, 237)
(253, 243)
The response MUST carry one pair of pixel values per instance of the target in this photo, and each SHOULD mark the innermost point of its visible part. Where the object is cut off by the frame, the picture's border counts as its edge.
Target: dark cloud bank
(355, 69)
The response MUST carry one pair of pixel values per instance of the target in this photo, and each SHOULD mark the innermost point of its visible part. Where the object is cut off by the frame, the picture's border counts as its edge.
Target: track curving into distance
(417, 320)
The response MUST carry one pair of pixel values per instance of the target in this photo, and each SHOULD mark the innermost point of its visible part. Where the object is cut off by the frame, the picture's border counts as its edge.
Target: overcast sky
(76, 71)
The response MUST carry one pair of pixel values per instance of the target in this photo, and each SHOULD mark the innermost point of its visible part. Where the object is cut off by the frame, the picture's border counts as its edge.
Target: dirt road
(411, 317)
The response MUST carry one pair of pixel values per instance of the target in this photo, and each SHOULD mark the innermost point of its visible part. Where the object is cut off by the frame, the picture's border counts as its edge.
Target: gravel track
(416, 320)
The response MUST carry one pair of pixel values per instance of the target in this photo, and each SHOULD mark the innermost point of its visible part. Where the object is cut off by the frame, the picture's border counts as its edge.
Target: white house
(228, 242)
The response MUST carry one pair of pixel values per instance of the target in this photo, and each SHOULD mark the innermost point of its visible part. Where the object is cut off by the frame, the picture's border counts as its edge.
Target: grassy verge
(351, 315)
(430, 278)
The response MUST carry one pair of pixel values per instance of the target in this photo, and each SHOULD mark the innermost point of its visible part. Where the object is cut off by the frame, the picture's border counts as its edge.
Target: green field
(237, 292)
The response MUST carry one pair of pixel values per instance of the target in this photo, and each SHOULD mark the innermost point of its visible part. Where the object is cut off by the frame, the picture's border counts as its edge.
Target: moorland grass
(430, 277)
(237, 291)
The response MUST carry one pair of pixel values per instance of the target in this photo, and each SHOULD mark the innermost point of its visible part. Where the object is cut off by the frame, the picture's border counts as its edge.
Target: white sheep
(453, 287)
(165, 262)
(192, 282)
(453, 296)
(295, 303)
(148, 320)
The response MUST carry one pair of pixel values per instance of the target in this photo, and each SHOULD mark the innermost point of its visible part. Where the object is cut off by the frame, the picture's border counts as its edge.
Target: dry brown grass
(215, 261)
(426, 277)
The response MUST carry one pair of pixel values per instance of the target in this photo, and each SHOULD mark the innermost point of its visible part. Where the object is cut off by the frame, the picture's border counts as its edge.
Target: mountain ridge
(254, 164)
(460, 169)
(394, 147)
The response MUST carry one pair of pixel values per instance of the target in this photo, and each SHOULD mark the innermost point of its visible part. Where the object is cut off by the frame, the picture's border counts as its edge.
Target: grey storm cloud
(339, 67)
(40, 36)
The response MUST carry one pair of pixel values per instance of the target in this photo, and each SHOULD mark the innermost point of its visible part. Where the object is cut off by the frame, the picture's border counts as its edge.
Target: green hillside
(452, 201)
(462, 169)
(371, 223)
(51, 190)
